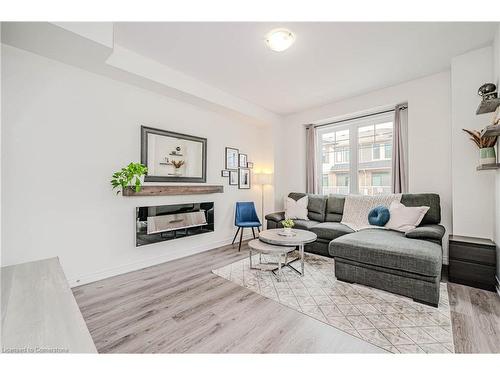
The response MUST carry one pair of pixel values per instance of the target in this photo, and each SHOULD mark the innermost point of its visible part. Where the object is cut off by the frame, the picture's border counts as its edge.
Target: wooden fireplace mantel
(147, 191)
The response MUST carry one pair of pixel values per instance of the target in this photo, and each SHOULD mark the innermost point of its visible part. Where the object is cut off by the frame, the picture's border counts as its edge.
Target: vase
(132, 183)
(487, 155)
(287, 231)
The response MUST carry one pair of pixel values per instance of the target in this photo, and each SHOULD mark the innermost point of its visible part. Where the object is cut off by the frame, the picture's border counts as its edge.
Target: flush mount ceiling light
(279, 39)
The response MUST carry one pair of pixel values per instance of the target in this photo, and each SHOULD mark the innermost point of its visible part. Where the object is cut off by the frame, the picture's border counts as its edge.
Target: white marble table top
(301, 237)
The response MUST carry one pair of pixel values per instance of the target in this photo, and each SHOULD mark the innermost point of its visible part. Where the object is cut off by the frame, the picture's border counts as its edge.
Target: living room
(250, 187)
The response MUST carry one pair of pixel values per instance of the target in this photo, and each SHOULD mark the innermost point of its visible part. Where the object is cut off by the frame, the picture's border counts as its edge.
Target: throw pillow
(379, 216)
(404, 219)
(296, 209)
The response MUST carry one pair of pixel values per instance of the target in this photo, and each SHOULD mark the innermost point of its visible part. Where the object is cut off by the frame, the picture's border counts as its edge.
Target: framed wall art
(244, 178)
(232, 158)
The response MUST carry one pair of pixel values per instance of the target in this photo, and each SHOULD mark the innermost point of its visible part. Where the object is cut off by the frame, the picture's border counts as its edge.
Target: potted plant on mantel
(486, 146)
(132, 175)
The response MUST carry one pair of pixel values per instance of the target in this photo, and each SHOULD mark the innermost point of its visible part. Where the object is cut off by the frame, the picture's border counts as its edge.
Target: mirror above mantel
(173, 157)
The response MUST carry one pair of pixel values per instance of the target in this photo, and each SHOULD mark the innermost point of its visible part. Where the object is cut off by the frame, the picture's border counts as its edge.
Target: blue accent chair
(245, 217)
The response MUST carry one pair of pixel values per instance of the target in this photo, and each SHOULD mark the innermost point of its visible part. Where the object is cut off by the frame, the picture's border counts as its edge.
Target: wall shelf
(487, 167)
(487, 106)
(149, 191)
(490, 131)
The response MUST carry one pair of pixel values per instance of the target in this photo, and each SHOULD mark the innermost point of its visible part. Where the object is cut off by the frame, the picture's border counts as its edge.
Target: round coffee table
(260, 247)
(300, 238)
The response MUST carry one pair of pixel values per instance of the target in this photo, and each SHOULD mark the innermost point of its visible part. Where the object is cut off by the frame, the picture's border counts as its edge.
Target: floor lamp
(263, 179)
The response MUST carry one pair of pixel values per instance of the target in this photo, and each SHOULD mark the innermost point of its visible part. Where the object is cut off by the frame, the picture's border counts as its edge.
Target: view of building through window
(356, 156)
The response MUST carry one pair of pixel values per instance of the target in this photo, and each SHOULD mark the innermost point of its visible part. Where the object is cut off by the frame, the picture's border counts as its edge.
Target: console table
(39, 312)
(472, 262)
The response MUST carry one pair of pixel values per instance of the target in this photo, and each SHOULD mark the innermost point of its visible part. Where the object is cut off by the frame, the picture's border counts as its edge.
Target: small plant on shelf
(486, 146)
(132, 175)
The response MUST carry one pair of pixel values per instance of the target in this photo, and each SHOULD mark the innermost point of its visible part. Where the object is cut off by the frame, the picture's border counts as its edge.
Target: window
(335, 156)
(375, 151)
(356, 156)
(325, 179)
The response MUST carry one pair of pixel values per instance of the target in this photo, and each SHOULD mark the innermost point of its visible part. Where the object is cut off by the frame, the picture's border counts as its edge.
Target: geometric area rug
(392, 322)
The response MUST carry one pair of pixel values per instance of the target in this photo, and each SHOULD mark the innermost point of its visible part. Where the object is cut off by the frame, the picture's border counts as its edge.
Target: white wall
(473, 191)
(429, 127)
(65, 131)
(496, 71)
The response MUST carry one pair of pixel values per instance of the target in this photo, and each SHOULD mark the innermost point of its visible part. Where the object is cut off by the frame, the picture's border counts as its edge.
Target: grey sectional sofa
(407, 264)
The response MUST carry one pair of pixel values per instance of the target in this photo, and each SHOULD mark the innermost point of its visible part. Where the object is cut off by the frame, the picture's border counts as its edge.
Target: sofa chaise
(404, 263)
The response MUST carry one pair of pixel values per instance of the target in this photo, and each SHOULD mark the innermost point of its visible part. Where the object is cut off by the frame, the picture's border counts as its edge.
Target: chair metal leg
(232, 243)
(253, 232)
(241, 239)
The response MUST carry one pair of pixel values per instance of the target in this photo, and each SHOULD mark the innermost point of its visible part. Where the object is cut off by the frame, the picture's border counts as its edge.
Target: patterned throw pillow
(296, 209)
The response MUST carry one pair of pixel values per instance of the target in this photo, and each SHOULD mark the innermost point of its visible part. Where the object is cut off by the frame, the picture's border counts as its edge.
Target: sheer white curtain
(311, 165)
(400, 150)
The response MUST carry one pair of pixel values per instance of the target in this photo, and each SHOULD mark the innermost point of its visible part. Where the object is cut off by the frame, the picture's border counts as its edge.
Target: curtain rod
(404, 106)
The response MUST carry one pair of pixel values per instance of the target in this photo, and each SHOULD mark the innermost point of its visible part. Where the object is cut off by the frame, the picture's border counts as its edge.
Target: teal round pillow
(379, 216)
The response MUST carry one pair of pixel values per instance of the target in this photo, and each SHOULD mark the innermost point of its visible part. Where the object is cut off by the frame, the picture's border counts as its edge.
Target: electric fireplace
(163, 223)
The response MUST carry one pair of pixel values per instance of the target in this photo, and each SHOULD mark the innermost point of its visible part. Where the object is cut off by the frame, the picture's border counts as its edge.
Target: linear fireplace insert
(163, 223)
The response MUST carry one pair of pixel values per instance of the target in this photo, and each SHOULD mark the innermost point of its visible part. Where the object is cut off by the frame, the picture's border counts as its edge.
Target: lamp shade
(263, 179)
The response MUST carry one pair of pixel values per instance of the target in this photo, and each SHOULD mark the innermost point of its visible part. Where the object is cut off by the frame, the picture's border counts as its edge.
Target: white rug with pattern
(392, 322)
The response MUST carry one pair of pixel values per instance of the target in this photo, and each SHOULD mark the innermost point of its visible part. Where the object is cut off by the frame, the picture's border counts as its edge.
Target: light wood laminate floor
(181, 306)
(475, 318)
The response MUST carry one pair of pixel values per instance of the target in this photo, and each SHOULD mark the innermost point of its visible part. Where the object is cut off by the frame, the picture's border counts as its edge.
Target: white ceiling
(328, 62)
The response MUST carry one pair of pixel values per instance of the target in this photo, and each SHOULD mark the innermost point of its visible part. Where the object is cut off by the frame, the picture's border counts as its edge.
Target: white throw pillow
(404, 219)
(296, 209)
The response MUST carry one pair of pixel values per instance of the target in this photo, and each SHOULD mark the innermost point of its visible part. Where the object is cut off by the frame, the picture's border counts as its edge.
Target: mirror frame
(145, 130)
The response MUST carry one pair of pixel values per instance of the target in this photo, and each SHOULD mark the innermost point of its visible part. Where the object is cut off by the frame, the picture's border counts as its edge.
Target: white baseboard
(148, 262)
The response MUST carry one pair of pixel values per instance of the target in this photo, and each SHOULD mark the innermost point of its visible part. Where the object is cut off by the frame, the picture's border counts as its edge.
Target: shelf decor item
(177, 165)
(489, 98)
(132, 175)
(487, 91)
(486, 146)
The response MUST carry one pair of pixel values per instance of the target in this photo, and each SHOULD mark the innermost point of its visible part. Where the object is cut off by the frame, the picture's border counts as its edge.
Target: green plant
(288, 223)
(124, 177)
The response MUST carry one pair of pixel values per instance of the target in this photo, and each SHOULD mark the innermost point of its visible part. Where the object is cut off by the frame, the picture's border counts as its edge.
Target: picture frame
(244, 178)
(243, 160)
(173, 157)
(233, 177)
(249, 164)
(232, 158)
(224, 173)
